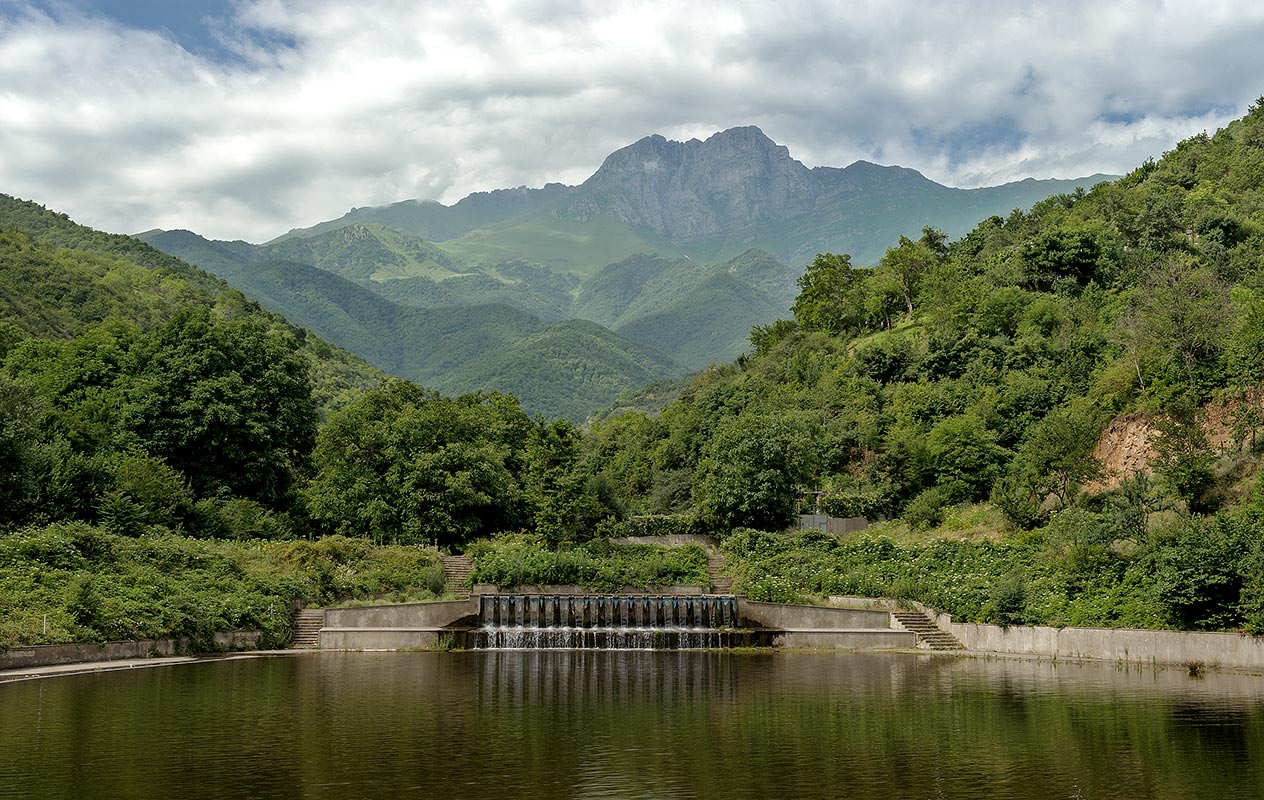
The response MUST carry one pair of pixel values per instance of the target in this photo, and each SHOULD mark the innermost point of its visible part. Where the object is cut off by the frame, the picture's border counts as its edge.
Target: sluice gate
(608, 622)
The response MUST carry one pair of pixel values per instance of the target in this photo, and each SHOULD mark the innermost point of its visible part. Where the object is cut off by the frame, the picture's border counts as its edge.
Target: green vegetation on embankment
(94, 585)
(598, 564)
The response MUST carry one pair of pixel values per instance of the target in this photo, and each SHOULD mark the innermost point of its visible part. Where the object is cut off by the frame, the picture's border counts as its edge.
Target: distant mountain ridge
(713, 199)
(568, 296)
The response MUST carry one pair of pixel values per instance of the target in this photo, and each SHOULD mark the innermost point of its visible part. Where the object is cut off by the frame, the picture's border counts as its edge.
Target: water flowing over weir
(607, 622)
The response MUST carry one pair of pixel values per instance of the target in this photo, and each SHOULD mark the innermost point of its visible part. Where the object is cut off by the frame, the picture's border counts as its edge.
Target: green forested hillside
(362, 253)
(983, 372)
(569, 367)
(56, 277)
(697, 313)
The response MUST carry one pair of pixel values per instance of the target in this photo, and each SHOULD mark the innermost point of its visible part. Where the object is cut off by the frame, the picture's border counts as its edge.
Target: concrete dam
(597, 621)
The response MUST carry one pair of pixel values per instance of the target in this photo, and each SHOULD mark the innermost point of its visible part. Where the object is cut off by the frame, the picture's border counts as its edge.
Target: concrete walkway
(55, 670)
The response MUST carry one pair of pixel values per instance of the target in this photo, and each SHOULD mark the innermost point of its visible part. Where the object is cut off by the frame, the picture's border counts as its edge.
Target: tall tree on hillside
(908, 263)
(831, 296)
(227, 403)
(1179, 316)
(752, 470)
(19, 426)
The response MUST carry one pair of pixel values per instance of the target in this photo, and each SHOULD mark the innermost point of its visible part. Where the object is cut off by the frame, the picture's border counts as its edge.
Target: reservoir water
(632, 724)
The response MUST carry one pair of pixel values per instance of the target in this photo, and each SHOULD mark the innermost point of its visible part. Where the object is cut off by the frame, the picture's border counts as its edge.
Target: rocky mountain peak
(697, 189)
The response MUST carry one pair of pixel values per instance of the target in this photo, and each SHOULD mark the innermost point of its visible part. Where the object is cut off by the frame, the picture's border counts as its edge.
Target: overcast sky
(244, 119)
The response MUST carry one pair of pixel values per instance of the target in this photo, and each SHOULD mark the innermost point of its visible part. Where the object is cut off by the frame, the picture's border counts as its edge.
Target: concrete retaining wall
(834, 526)
(776, 615)
(380, 638)
(46, 655)
(856, 639)
(402, 615)
(872, 603)
(1228, 650)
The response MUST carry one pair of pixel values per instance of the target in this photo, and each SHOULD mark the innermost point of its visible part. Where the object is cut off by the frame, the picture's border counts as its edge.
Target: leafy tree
(1184, 458)
(1178, 317)
(1196, 571)
(228, 404)
(1057, 455)
(908, 263)
(563, 507)
(403, 465)
(1061, 257)
(752, 472)
(19, 426)
(965, 456)
(763, 338)
(831, 296)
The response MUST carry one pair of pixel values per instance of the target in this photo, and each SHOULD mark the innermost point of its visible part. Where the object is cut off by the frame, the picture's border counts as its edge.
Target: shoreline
(18, 674)
(89, 667)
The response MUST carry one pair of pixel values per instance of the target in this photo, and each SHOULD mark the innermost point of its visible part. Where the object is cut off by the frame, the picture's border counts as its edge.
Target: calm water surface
(632, 725)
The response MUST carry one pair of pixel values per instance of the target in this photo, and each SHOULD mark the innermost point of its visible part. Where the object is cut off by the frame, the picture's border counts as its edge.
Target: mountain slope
(359, 253)
(710, 324)
(695, 314)
(572, 367)
(454, 349)
(436, 222)
(57, 276)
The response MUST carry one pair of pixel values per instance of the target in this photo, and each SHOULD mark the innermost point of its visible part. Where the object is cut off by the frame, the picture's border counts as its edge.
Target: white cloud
(381, 101)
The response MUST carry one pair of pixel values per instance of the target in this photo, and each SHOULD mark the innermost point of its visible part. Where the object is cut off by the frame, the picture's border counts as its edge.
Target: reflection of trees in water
(636, 724)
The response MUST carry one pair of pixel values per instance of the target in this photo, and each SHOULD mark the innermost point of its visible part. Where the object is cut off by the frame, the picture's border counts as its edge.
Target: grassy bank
(1085, 568)
(97, 586)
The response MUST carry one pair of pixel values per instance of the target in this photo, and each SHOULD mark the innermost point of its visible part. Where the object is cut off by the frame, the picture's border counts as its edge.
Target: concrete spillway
(588, 621)
(607, 622)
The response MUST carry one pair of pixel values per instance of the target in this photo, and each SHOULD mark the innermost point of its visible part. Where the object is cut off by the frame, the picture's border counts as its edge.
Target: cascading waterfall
(606, 622)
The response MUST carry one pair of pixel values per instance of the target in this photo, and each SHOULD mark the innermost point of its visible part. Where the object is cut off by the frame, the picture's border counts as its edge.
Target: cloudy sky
(244, 118)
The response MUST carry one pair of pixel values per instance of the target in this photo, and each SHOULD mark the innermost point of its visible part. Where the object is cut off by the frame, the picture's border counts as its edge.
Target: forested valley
(174, 460)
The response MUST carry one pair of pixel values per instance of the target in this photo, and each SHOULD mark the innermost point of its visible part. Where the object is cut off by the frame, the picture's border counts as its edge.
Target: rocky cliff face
(693, 190)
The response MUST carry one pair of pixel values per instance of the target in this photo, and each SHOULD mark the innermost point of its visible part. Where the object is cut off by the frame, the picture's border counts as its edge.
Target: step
(307, 626)
(928, 633)
(456, 572)
(720, 584)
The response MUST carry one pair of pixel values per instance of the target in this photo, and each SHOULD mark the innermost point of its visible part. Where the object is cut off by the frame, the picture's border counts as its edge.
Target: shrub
(1008, 600)
(925, 511)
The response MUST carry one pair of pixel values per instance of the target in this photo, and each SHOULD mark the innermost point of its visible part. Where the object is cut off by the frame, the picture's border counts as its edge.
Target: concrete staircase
(928, 633)
(307, 625)
(456, 571)
(720, 584)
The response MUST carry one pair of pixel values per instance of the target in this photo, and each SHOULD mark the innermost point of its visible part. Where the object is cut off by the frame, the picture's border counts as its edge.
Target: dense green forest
(161, 436)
